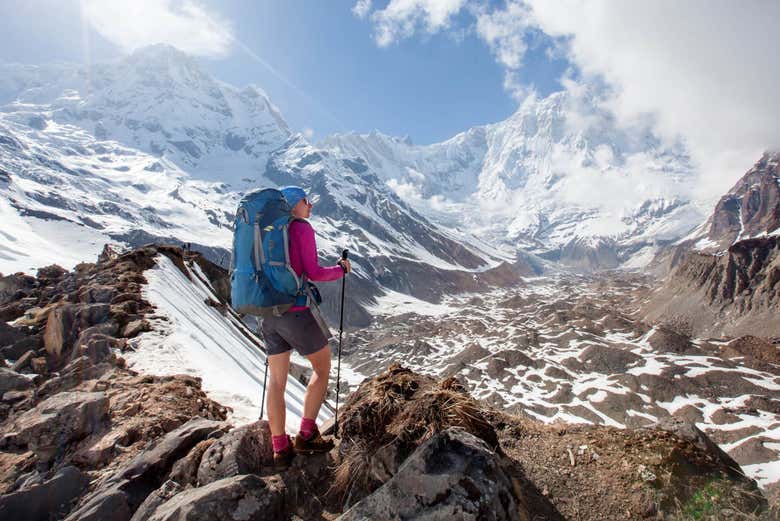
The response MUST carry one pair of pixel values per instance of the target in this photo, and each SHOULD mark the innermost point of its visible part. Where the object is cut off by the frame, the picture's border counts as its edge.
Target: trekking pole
(265, 379)
(344, 255)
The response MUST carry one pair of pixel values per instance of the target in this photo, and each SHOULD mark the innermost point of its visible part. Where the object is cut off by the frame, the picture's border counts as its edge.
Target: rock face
(730, 294)
(726, 276)
(242, 451)
(58, 420)
(453, 475)
(121, 494)
(246, 498)
(750, 208)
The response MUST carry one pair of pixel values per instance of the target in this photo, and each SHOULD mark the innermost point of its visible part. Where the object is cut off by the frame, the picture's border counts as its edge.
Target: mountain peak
(159, 51)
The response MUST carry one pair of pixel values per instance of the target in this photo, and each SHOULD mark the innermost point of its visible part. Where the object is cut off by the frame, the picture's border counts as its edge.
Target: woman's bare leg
(278, 367)
(318, 384)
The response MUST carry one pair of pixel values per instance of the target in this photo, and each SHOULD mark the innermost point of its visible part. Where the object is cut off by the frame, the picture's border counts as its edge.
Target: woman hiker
(297, 328)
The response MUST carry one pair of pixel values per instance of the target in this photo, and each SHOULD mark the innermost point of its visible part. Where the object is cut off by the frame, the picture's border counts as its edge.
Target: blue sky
(428, 86)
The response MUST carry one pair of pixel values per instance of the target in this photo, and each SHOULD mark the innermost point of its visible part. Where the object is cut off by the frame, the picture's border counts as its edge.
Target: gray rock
(110, 503)
(44, 501)
(453, 475)
(12, 381)
(58, 420)
(185, 471)
(17, 396)
(28, 343)
(135, 328)
(245, 498)
(97, 348)
(9, 335)
(124, 491)
(168, 489)
(97, 294)
(76, 372)
(244, 450)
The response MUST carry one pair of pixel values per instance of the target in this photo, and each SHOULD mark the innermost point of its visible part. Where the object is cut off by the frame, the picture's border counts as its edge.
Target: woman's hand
(345, 265)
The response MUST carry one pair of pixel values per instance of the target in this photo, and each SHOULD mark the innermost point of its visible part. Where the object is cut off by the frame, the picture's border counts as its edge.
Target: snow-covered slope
(193, 338)
(559, 177)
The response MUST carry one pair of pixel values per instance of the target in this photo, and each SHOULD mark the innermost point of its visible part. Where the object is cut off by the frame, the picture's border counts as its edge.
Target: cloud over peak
(185, 24)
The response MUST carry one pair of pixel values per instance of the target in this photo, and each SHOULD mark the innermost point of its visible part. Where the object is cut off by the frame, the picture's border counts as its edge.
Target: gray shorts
(297, 329)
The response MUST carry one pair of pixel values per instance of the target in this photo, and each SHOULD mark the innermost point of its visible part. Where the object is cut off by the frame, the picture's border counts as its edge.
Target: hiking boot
(316, 444)
(283, 459)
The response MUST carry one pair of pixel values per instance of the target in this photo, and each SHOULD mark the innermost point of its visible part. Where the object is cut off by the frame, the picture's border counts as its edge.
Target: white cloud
(504, 31)
(308, 133)
(362, 8)
(704, 69)
(402, 18)
(185, 24)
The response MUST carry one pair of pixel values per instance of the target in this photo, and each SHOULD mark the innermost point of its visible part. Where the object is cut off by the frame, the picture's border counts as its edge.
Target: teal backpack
(262, 280)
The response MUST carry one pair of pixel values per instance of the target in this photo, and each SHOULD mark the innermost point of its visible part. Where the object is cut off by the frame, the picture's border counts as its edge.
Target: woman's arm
(303, 234)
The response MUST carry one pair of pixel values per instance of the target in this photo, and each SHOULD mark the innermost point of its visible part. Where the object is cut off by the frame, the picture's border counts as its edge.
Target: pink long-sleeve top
(303, 256)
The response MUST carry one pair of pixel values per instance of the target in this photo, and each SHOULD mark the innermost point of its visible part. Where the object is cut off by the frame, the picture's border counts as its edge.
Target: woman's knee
(277, 384)
(321, 358)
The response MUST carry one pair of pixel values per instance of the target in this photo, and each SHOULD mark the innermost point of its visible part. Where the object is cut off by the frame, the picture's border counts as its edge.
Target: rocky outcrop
(730, 294)
(82, 406)
(244, 450)
(59, 420)
(246, 497)
(751, 208)
(724, 278)
(121, 494)
(453, 475)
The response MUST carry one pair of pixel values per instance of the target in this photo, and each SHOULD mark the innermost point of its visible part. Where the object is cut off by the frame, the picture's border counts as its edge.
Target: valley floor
(570, 349)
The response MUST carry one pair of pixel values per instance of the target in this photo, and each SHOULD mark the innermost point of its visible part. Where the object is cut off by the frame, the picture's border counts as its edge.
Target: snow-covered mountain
(157, 100)
(131, 151)
(559, 177)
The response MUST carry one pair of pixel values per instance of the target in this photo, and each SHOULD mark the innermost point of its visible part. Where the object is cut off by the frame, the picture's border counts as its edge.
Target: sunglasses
(311, 200)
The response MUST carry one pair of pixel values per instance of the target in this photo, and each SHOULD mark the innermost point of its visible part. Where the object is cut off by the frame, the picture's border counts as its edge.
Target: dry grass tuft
(389, 416)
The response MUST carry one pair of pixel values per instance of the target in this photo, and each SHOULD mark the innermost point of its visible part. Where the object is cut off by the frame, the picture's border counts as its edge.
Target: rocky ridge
(725, 276)
(138, 447)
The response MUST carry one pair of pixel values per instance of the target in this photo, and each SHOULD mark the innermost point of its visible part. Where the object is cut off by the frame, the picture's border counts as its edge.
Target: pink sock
(308, 426)
(280, 442)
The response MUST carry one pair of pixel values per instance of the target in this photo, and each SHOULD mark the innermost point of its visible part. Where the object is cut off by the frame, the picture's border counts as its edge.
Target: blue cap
(293, 194)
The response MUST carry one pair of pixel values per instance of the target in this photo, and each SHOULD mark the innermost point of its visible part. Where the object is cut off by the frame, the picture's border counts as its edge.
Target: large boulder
(453, 475)
(44, 501)
(244, 450)
(58, 420)
(245, 498)
(66, 321)
(123, 491)
(60, 329)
